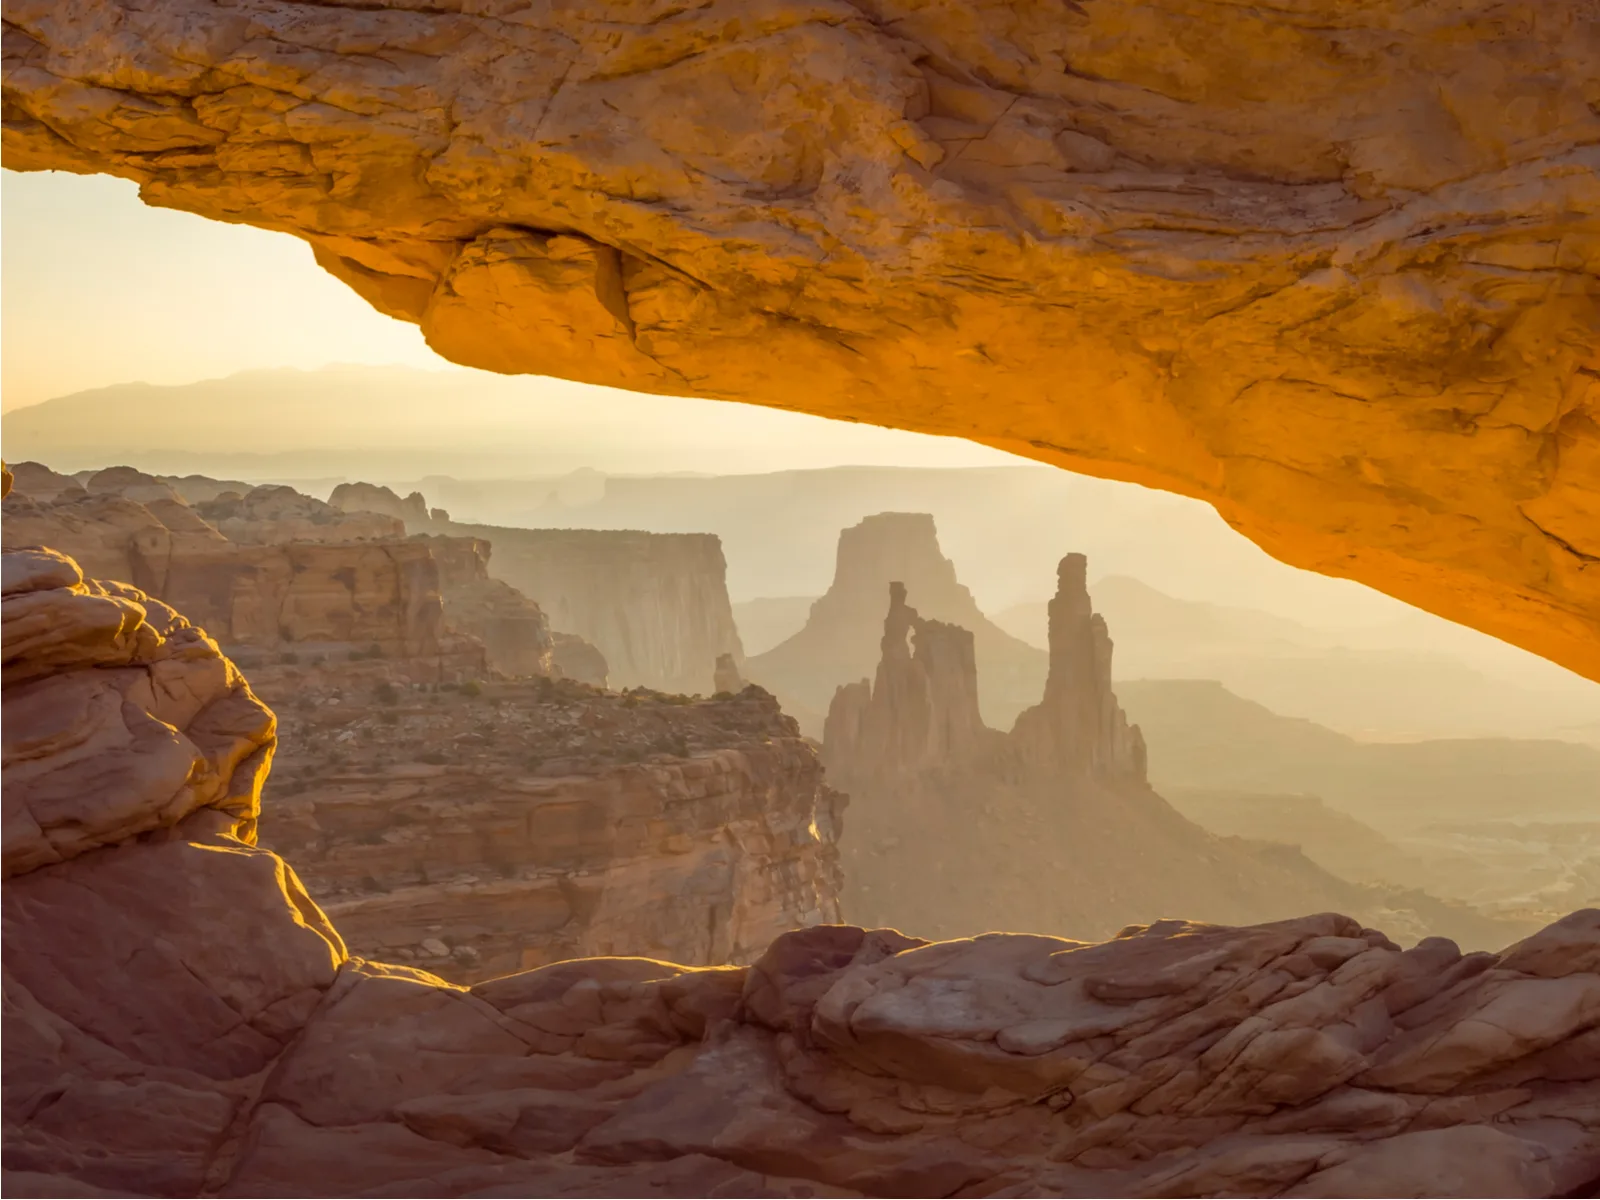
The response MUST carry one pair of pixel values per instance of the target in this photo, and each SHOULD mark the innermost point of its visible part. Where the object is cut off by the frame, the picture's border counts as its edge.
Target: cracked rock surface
(1329, 267)
(181, 1019)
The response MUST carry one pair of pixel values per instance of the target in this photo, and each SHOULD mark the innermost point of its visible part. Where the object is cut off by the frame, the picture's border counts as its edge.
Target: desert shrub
(472, 688)
(723, 696)
(386, 693)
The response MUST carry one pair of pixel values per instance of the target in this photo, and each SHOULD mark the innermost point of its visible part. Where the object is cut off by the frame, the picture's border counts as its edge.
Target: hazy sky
(102, 289)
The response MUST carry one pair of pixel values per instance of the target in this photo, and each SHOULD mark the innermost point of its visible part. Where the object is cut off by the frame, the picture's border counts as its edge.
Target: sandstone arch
(1328, 266)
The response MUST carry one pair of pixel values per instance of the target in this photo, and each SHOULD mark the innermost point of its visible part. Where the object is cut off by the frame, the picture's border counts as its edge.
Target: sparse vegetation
(386, 693)
(472, 688)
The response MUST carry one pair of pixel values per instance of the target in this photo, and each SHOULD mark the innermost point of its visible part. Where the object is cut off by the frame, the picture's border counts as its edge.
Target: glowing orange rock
(1331, 269)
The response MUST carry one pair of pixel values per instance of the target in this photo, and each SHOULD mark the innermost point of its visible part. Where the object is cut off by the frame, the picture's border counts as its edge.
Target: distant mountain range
(381, 423)
(1202, 736)
(1405, 678)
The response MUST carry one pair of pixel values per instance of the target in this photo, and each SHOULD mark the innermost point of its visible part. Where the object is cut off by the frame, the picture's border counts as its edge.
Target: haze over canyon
(585, 667)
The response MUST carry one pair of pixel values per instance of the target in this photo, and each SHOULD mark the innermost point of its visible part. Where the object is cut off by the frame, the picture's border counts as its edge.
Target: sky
(100, 289)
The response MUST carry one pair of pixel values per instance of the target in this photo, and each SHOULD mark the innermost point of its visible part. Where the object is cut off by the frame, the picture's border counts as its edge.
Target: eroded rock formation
(273, 571)
(725, 677)
(956, 828)
(575, 658)
(841, 637)
(182, 1019)
(1347, 296)
(412, 510)
(654, 604)
(513, 629)
(479, 832)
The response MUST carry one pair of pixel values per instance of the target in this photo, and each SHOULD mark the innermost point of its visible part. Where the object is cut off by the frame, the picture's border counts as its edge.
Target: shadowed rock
(182, 1019)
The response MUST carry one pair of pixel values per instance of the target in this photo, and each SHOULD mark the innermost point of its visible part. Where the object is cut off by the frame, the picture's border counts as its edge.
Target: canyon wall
(480, 834)
(654, 604)
(840, 640)
(513, 629)
(272, 571)
(183, 1019)
(956, 828)
(1348, 296)
(535, 820)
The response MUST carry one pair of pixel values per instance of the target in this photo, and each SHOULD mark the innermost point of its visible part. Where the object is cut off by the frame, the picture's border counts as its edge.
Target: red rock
(181, 1019)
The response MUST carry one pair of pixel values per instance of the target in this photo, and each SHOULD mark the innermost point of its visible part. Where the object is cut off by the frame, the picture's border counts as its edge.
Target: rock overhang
(1347, 296)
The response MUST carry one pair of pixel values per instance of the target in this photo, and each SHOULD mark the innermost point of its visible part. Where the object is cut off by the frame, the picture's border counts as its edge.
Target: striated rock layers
(840, 640)
(273, 571)
(957, 828)
(182, 1019)
(521, 822)
(654, 604)
(513, 629)
(1348, 296)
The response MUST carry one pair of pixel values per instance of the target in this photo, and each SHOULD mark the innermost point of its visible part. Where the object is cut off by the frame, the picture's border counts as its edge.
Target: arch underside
(1331, 268)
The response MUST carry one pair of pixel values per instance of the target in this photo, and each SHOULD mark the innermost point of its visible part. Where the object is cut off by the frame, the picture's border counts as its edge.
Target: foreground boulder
(181, 1019)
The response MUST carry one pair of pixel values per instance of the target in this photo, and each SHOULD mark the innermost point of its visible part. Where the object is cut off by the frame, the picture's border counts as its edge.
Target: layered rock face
(273, 571)
(535, 820)
(654, 604)
(841, 637)
(182, 1019)
(1347, 297)
(956, 828)
(574, 658)
(513, 629)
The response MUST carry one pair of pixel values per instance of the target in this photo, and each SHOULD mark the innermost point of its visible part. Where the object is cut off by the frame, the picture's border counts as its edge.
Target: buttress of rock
(120, 716)
(725, 675)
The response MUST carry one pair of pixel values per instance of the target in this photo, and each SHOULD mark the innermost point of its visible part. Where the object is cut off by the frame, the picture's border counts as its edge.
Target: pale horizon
(118, 293)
